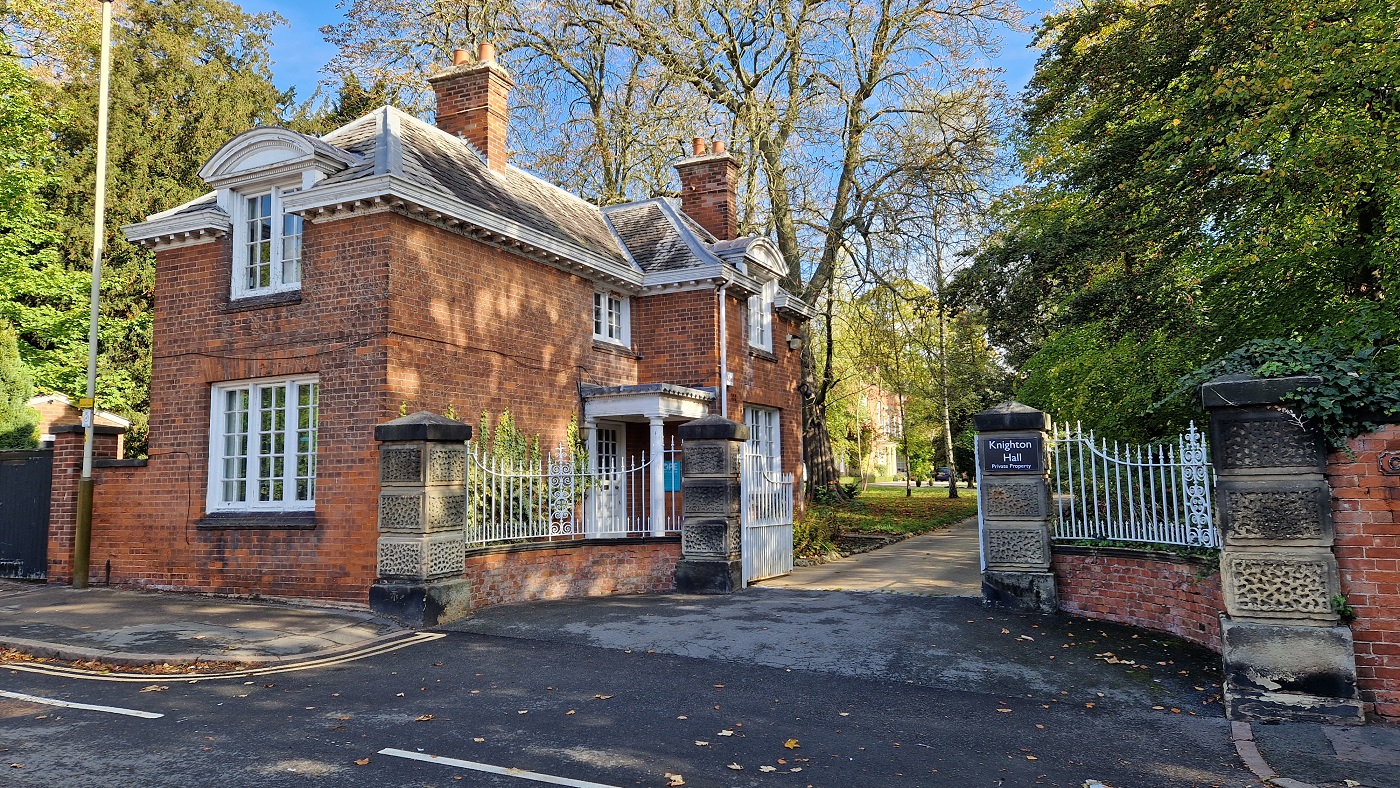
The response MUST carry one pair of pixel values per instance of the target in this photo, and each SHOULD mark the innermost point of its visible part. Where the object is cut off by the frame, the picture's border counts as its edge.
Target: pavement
(926, 629)
(124, 627)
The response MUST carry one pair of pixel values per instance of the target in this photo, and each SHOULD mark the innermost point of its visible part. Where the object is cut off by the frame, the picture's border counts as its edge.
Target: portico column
(658, 477)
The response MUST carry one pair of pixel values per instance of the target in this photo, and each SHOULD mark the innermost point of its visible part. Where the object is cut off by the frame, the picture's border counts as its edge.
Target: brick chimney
(473, 101)
(709, 181)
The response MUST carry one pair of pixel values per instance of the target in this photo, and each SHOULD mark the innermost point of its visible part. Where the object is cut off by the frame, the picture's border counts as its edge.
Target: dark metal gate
(25, 481)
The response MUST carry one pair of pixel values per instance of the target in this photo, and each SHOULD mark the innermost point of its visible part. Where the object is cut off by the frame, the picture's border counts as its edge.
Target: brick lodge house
(326, 282)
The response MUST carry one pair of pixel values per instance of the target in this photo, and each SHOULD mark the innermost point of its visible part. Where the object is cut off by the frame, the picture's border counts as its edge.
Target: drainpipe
(723, 353)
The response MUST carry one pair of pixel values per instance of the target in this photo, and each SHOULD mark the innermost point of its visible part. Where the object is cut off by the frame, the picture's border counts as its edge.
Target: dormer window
(612, 318)
(267, 244)
(761, 317)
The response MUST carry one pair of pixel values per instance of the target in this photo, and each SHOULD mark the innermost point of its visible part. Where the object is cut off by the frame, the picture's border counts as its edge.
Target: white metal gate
(1156, 494)
(766, 495)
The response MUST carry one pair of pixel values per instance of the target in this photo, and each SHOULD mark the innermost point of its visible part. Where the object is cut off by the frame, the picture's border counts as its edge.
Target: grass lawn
(882, 510)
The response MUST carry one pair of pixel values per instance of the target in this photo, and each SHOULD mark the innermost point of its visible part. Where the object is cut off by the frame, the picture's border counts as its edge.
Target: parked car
(942, 474)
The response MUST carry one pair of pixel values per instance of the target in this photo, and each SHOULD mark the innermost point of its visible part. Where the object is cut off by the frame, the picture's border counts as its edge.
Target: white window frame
(761, 317)
(224, 435)
(277, 259)
(612, 318)
(765, 434)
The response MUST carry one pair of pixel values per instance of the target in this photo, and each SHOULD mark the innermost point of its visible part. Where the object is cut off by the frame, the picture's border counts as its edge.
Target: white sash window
(263, 445)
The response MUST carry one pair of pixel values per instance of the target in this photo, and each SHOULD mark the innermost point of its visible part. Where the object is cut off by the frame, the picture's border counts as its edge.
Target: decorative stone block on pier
(711, 522)
(1287, 657)
(422, 520)
(1013, 491)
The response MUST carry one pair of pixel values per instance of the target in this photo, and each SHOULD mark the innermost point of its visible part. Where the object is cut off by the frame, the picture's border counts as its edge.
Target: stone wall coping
(531, 547)
(1137, 553)
(423, 426)
(1239, 390)
(713, 428)
(97, 429)
(111, 463)
(1012, 416)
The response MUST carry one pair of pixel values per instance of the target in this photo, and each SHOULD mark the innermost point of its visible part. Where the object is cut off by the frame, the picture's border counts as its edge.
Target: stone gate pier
(1287, 655)
(1013, 489)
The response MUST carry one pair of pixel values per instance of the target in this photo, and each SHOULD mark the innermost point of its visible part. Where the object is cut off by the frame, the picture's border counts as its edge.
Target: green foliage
(1357, 362)
(814, 533)
(507, 443)
(18, 421)
(1342, 608)
(186, 76)
(1202, 175)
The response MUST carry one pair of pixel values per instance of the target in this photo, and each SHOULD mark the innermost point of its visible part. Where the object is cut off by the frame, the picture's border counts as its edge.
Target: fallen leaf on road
(1026, 637)
(726, 732)
(682, 717)
(767, 768)
(570, 711)
(844, 713)
(1006, 632)
(601, 697)
(699, 743)
(674, 779)
(423, 718)
(361, 761)
(736, 767)
(791, 744)
(719, 686)
(1004, 711)
(398, 694)
(478, 739)
(154, 688)
(523, 711)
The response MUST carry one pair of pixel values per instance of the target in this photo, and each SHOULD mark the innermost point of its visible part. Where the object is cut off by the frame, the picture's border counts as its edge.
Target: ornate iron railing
(1133, 493)
(562, 497)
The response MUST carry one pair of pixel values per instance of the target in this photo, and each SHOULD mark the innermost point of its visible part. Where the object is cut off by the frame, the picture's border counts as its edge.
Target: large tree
(831, 107)
(186, 76)
(1201, 173)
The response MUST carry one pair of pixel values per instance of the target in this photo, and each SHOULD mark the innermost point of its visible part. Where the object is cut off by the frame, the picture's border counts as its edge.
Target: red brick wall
(767, 379)
(675, 334)
(1169, 594)
(480, 329)
(63, 494)
(144, 519)
(708, 187)
(1366, 515)
(564, 572)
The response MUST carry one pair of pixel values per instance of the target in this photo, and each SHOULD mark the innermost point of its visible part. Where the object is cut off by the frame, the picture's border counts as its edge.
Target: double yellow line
(373, 650)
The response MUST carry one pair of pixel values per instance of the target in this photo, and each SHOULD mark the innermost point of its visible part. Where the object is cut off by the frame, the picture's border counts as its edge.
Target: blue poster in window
(673, 476)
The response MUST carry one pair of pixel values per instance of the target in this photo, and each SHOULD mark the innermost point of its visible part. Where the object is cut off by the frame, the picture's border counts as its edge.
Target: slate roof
(392, 141)
(651, 234)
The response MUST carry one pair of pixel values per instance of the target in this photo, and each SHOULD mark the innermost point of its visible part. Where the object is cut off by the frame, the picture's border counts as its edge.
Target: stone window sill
(616, 350)
(257, 521)
(763, 354)
(284, 298)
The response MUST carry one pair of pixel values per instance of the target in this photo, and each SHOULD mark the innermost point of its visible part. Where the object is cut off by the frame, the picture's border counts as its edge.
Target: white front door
(607, 500)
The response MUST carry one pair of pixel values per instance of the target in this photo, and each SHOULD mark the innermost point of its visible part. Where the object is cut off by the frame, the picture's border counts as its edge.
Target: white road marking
(489, 769)
(145, 715)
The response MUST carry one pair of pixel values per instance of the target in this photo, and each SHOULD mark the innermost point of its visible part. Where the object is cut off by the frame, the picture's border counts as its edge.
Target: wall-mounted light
(794, 342)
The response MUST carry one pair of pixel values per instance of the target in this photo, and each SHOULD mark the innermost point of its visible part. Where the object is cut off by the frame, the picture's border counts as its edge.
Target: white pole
(82, 536)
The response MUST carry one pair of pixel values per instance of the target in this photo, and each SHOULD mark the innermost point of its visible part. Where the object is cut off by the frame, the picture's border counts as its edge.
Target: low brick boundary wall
(1366, 516)
(1163, 592)
(565, 570)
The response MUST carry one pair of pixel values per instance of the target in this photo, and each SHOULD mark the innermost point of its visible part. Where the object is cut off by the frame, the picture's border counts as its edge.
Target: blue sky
(299, 51)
